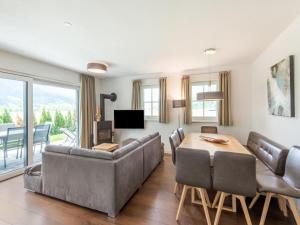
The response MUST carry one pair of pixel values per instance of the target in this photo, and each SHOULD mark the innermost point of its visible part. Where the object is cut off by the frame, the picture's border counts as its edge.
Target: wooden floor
(153, 204)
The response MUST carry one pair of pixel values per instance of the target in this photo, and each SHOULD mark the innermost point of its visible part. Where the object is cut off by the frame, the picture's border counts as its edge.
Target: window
(150, 101)
(55, 110)
(204, 111)
(13, 124)
(33, 114)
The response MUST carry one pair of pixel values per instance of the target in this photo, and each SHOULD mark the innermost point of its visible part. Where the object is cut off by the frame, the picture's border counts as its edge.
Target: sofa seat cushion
(269, 182)
(91, 153)
(272, 154)
(125, 149)
(58, 149)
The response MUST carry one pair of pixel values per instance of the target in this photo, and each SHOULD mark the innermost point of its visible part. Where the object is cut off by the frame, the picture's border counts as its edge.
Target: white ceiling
(142, 36)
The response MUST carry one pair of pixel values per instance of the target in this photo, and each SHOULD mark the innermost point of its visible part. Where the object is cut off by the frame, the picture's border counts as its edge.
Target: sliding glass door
(34, 114)
(13, 123)
(55, 117)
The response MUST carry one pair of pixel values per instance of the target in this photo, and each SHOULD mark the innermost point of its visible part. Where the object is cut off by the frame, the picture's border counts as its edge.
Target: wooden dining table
(194, 140)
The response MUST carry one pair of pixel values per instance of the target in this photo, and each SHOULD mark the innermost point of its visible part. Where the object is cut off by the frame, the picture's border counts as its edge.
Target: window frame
(150, 86)
(204, 119)
(66, 86)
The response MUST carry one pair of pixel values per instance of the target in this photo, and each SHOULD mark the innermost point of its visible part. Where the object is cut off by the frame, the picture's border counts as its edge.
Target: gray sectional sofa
(99, 180)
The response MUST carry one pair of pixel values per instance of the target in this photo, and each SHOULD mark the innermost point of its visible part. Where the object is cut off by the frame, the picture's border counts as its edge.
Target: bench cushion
(272, 154)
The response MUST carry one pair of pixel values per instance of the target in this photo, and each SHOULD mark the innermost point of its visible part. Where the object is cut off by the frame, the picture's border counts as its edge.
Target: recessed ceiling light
(96, 67)
(67, 24)
(210, 51)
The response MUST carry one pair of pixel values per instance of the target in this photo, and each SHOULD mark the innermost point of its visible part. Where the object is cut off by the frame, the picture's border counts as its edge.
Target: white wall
(241, 106)
(10, 61)
(284, 130)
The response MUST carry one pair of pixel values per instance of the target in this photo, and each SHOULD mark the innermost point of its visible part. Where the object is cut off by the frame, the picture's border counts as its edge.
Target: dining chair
(209, 129)
(174, 142)
(286, 187)
(180, 133)
(13, 140)
(193, 170)
(41, 135)
(234, 174)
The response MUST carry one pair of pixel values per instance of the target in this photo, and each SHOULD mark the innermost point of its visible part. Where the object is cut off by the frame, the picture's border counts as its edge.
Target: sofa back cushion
(125, 149)
(152, 155)
(145, 139)
(269, 152)
(58, 149)
(91, 153)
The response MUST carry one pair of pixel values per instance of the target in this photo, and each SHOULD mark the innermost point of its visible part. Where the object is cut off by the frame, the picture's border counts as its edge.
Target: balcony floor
(14, 163)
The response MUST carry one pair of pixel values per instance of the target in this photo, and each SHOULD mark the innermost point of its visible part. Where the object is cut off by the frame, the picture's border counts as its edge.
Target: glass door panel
(13, 125)
(55, 117)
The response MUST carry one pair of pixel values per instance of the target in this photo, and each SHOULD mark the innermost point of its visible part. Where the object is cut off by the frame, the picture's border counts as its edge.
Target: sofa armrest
(128, 177)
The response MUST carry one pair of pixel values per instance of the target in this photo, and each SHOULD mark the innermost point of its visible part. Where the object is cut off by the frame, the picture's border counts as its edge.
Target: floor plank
(153, 204)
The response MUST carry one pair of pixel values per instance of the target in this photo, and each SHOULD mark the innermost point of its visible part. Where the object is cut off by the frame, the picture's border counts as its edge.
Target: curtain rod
(36, 77)
(201, 73)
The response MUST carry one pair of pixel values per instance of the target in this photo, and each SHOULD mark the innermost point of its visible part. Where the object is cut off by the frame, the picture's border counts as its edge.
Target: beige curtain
(163, 100)
(87, 110)
(185, 93)
(136, 94)
(225, 104)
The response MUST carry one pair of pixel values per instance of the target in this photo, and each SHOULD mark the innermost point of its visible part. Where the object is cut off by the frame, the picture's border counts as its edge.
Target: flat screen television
(129, 119)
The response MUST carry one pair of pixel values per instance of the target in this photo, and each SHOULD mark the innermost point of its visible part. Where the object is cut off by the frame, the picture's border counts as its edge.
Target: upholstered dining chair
(174, 143)
(193, 170)
(209, 129)
(180, 133)
(286, 187)
(234, 174)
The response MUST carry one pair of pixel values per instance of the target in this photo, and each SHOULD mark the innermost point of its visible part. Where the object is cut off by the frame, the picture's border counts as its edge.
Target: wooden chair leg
(266, 208)
(185, 188)
(294, 209)
(175, 188)
(233, 200)
(203, 198)
(207, 198)
(199, 202)
(245, 209)
(221, 203)
(284, 207)
(216, 199)
(193, 197)
(254, 200)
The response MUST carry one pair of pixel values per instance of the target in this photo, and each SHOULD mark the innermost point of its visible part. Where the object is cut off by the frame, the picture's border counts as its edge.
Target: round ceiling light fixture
(67, 24)
(210, 51)
(96, 67)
